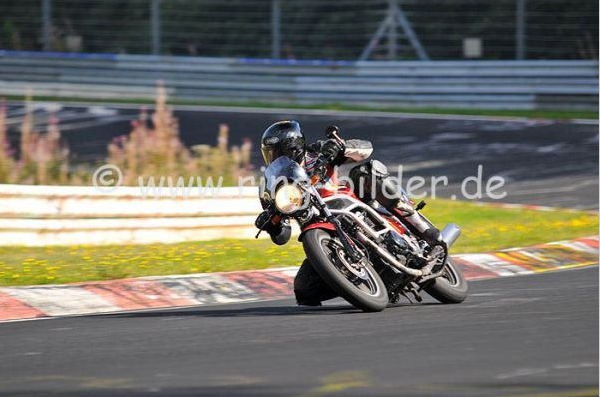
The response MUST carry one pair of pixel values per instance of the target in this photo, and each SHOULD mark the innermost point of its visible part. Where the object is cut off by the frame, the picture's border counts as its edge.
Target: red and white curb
(20, 303)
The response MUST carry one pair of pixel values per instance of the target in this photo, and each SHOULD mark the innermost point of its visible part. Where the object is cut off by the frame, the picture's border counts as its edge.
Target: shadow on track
(259, 311)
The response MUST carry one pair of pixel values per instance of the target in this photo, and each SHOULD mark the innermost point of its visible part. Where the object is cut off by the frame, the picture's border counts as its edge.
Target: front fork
(349, 246)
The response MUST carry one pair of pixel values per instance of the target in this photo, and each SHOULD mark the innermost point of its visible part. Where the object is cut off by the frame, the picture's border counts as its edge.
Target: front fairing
(281, 170)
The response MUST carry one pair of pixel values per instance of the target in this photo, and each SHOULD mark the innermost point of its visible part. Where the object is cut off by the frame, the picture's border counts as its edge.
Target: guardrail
(70, 215)
(461, 84)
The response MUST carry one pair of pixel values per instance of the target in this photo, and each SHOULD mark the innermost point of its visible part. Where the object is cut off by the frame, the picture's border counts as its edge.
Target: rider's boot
(399, 204)
(418, 225)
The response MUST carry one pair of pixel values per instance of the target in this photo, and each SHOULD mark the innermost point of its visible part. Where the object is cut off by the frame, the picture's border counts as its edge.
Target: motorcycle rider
(371, 183)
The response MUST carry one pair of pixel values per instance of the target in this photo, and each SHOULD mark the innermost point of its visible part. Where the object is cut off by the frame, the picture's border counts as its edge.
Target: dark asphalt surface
(543, 162)
(520, 336)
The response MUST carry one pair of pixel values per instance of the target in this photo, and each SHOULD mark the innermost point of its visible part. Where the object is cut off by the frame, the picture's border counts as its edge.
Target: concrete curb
(33, 302)
(40, 215)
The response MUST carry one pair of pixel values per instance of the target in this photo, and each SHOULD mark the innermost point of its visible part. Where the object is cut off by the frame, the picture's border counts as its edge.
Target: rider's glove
(280, 233)
(331, 149)
(262, 220)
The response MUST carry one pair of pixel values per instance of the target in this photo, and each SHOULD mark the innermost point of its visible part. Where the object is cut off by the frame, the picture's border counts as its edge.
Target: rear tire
(314, 243)
(449, 288)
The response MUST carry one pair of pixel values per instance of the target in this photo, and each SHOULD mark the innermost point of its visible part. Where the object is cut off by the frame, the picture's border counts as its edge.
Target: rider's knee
(309, 288)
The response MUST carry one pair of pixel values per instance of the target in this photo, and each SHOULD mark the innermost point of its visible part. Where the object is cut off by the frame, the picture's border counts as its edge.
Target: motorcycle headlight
(289, 199)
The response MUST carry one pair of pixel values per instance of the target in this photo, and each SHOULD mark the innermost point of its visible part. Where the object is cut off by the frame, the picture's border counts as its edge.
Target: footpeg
(412, 291)
(416, 295)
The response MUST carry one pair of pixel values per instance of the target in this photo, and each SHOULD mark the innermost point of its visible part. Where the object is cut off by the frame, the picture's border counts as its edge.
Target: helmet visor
(272, 153)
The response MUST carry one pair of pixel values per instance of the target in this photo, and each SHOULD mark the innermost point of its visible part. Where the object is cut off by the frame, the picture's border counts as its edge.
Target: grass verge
(541, 114)
(484, 229)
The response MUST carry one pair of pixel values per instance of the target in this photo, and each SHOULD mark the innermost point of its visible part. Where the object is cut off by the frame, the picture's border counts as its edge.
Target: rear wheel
(450, 287)
(359, 284)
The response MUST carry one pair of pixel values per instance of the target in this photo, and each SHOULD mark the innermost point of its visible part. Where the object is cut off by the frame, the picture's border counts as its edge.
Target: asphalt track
(543, 162)
(521, 336)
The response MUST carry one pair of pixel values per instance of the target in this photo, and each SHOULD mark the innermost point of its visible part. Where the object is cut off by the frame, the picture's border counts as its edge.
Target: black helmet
(283, 138)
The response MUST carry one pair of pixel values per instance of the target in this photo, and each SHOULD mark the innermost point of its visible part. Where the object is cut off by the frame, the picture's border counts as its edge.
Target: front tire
(370, 297)
(451, 287)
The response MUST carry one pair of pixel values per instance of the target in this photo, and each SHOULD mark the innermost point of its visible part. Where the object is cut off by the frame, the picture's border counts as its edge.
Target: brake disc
(358, 269)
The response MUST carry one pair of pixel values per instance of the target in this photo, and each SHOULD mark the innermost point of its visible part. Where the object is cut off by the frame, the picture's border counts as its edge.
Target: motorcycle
(364, 253)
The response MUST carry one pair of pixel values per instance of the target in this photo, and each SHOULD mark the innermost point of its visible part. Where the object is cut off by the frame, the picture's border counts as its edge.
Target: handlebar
(319, 167)
(332, 132)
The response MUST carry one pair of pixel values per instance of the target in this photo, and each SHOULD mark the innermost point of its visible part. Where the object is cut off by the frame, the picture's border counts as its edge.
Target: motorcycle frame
(371, 233)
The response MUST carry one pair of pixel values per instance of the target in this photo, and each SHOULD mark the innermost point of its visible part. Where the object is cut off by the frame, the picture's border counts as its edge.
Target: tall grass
(153, 148)
(43, 159)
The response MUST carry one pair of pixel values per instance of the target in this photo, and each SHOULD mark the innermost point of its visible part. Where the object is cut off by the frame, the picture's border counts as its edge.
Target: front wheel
(450, 287)
(359, 285)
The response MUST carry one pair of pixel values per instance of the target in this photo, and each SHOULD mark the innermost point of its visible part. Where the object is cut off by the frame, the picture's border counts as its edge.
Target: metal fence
(307, 29)
(464, 84)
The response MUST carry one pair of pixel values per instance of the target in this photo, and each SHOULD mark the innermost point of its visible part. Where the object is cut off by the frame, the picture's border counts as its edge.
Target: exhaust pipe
(388, 257)
(450, 234)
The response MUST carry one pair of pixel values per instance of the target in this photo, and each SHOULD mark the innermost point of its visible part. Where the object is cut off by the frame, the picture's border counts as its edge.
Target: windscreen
(283, 169)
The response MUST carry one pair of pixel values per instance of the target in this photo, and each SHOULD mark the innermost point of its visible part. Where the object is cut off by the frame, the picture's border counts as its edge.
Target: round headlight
(289, 199)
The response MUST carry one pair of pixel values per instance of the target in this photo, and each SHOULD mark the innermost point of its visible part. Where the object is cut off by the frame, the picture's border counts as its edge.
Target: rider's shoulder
(359, 144)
